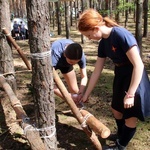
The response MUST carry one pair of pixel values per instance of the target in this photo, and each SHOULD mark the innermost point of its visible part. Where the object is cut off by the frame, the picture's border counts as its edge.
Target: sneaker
(113, 137)
(117, 146)
(111, 148)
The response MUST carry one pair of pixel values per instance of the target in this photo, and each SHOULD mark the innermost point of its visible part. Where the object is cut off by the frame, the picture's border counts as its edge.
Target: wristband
(129, 95)
(79, 93)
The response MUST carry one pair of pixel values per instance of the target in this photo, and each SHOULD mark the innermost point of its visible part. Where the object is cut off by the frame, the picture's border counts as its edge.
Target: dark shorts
(121, 84)
(16, 31)
(65, 70)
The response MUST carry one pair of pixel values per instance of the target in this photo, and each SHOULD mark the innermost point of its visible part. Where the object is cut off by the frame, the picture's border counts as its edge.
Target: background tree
(67, 19)
(139, 15)
(145, 16)
(58, 16)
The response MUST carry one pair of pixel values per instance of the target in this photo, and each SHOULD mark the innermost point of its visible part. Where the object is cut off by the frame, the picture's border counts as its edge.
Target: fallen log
(32, 135)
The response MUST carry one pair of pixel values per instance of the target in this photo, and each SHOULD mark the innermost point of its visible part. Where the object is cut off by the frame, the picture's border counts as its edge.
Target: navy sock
(120, 124)
(127, 135)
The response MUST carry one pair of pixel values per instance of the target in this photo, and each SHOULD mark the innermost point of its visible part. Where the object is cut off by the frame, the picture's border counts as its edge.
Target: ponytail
(109, 22)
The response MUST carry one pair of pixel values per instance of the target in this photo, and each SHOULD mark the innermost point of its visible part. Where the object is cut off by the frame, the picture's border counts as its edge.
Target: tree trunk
(67, 19)
(6, 59)
(126, 15)
(82, 8)
(139, 14)
(117, 13)
(58, 17)
(42, 77)
(145, 9)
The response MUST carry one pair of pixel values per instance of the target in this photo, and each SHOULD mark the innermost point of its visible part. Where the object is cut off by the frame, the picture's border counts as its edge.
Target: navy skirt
(141, 108)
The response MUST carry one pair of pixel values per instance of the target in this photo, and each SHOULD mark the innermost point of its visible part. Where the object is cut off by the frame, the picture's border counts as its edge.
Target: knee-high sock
(127, 135)
(120, 124)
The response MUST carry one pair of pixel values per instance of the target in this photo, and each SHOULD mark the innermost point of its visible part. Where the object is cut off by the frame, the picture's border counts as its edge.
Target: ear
(96, 29)
(64, 55)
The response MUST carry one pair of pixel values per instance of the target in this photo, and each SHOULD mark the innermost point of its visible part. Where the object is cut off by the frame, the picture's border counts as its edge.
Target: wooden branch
(31, 134)
(75, 110)
(10, 38)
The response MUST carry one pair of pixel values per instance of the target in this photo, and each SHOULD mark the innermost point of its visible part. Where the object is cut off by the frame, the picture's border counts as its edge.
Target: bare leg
(57, 92)
(130, 122)
(71, 80)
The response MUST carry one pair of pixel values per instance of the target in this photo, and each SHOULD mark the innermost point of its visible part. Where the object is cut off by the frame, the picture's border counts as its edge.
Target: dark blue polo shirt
(116, 45)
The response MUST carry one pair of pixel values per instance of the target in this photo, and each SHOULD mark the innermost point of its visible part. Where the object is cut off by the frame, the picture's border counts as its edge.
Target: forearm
(92, 83)
(83, 85)
(137, 72)
(136, 78)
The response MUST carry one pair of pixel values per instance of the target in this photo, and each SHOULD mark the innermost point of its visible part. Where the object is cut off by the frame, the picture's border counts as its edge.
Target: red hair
(91, 18)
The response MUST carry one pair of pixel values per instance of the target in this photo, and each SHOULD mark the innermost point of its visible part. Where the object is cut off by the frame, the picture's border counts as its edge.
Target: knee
(131, 122)
(117, 114)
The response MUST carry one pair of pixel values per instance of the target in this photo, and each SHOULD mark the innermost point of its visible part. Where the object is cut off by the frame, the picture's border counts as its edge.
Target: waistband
(122, 64)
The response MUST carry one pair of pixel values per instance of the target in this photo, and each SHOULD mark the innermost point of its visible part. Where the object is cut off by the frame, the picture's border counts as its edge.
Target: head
(91, 22)
(73, 53)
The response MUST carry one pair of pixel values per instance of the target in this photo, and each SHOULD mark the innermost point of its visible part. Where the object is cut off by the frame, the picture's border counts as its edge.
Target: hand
(128, 102)
(74, 97)
(80, 95)
(84, 99)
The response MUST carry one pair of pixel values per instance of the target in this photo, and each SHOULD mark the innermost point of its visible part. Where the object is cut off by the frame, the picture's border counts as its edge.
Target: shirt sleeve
(82, 62)
(126, 40)
(55, 53)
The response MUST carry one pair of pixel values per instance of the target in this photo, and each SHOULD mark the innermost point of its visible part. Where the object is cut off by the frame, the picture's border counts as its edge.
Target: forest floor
(70, 135)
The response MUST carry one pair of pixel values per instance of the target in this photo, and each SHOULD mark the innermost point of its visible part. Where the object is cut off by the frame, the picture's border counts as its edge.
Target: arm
(84, 80)
(138, 67)
(94, 77)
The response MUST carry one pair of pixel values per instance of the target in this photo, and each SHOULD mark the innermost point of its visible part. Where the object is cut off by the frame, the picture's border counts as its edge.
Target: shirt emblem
(114, 49)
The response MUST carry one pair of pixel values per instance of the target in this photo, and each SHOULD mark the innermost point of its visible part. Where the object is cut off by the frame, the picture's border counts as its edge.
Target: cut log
(98, 127)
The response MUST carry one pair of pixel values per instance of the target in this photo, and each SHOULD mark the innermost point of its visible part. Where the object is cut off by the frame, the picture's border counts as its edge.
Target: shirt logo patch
(114, 49)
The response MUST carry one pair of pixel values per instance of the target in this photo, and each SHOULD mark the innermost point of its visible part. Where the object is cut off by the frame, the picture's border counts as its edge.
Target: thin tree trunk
(117, 13)
(67, 19)
(145, 9)
(139, 14)
(58, 17)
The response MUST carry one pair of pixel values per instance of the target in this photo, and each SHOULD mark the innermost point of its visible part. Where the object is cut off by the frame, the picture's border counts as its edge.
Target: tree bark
(145, 9)
(67, 20)
(6, 59)
(58, 17)
(42, 77)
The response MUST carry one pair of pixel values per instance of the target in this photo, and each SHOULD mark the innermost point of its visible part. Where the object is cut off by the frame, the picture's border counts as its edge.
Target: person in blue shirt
(22, 30)
(131, 99)
(65, 54)
(16, 30)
